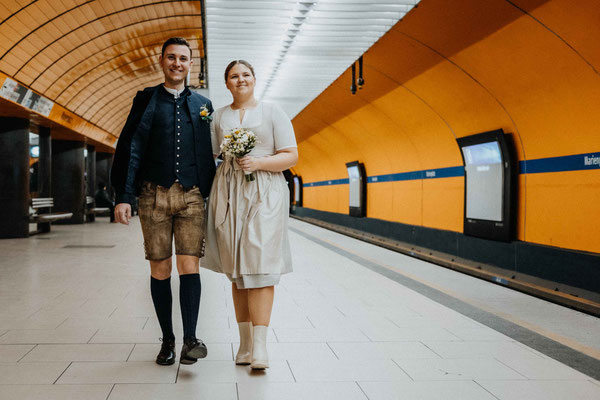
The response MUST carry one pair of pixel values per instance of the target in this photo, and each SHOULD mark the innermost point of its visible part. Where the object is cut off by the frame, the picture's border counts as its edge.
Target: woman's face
(240, 80)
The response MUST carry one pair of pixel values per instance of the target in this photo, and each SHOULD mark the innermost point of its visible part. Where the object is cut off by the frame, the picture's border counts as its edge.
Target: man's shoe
(192, 350)
(166, 356)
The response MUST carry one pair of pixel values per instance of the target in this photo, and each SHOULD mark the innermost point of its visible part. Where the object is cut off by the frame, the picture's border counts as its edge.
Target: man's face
(176, 63)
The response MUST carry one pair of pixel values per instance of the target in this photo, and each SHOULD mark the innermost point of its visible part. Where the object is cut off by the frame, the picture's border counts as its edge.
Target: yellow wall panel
(527, 67)
(407, 202)
(563, 209)
(443, 203)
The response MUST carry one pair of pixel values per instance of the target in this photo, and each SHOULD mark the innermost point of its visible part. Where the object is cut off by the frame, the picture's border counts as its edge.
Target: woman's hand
(248, 163)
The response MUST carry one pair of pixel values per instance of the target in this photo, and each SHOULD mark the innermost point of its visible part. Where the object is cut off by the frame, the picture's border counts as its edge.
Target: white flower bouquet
(238, 143)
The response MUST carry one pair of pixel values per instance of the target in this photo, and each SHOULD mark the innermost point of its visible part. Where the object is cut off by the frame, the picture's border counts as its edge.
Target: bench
(43, 215)
(92, 211)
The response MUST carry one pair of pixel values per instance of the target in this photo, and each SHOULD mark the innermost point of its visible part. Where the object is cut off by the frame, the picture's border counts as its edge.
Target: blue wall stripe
(327, 183)
(403, 176)
(575, 162)
(553, 164)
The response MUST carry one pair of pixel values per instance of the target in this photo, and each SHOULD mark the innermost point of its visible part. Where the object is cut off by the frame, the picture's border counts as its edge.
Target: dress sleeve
(283, 131)
(214, 137)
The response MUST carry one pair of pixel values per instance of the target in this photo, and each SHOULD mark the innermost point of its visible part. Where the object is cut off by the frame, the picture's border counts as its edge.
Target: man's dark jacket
(131, 147)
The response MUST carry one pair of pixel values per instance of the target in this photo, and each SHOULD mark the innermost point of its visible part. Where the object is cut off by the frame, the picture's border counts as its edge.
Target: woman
(247, 237)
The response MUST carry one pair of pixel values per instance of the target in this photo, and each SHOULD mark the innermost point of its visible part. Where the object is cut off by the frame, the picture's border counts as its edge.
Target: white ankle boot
(244, 354)
(260, 359)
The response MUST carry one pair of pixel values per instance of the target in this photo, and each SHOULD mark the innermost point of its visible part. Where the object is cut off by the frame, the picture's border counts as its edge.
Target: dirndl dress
(247, 222)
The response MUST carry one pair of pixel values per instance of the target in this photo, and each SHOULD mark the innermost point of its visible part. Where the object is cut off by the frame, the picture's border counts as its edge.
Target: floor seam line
(362, 390)
(481, 386)
(62, 373)
(292, 372)
(30, 350)
(111, 390)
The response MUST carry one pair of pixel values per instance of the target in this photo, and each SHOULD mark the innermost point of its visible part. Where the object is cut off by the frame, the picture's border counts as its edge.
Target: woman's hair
(234, 63)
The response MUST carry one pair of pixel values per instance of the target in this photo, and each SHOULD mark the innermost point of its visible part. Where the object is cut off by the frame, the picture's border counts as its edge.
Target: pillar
(14, 177)
(103, 164)
(45, 163)
(90, 180)
(68, 179)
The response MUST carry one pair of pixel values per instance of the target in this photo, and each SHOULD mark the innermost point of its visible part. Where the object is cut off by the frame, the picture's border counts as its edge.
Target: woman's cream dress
(247, 232)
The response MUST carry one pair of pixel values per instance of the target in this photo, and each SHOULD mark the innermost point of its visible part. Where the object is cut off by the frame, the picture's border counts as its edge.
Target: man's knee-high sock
(189, 299)
(163, 304)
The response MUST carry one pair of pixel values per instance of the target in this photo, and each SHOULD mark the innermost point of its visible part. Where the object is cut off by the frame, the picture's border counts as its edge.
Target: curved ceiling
(91, 57)
(297, 48)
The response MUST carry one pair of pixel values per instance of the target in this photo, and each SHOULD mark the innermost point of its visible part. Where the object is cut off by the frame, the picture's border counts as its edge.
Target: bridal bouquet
(238, 143)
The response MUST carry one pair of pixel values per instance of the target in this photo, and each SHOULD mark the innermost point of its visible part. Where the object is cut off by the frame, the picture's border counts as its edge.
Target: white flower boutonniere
(205, 114)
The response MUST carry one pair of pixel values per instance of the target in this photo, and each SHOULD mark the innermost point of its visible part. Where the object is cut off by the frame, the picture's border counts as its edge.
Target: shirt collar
(176, 93)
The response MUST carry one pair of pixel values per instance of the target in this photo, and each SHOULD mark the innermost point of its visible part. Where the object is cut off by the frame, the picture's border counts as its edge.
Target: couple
(165, 155)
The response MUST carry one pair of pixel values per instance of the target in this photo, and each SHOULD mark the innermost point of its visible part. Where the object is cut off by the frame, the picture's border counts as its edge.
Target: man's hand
(123, 213)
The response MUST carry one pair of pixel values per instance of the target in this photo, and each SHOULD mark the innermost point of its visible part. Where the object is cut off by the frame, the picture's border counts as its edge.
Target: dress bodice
(269, 122)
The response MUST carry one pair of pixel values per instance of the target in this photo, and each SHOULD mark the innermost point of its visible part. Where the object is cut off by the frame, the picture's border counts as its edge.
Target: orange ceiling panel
(91, 57)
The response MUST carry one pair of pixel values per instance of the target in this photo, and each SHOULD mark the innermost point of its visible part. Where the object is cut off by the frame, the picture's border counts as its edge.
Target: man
(164, 155)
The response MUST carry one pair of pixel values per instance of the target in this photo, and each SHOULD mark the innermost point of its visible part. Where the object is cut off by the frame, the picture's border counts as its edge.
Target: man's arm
(121, 163)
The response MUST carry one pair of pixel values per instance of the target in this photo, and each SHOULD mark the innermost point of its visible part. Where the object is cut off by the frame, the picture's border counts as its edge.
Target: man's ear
(160, 59)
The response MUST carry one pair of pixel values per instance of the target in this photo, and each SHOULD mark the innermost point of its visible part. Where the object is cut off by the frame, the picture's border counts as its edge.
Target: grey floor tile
(483, 333)
(457, 369)
(208, 391)
(10, 353)
(382, 350)
(38, 336)
(54, 392)
(136, 323)
(79, 352)
(31, 373)
(480, 349)
(542, 389)
(431, 390)
(112, 335)
(542, 368)
(35, 322)
(342, 370)
(396, 334)
(287, 335)
(300, 391)
(227, 371)
(298, 351)
(118, 372)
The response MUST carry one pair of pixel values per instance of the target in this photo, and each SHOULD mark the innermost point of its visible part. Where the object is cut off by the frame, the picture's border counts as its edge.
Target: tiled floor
(78, 323)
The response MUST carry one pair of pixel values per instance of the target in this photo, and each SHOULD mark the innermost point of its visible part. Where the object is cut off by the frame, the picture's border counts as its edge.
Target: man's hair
(175, 40)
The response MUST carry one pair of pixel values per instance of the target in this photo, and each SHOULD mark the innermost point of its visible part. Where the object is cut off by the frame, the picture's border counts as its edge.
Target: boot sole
(259, 366)
(198, 352)
(166, 362)
(187, 361)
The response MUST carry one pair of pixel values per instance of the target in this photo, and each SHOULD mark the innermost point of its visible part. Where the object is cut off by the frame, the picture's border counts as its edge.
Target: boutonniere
(205, 114)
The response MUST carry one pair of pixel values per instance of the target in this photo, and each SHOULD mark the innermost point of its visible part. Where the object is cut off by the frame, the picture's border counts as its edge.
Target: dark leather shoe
(192, 350)
(166, 356)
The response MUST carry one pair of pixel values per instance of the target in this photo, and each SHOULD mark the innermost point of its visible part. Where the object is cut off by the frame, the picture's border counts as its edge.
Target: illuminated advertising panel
(489, 185)
(357, 181)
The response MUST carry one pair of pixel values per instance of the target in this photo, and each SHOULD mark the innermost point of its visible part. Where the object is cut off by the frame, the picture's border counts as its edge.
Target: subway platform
(354, 321)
